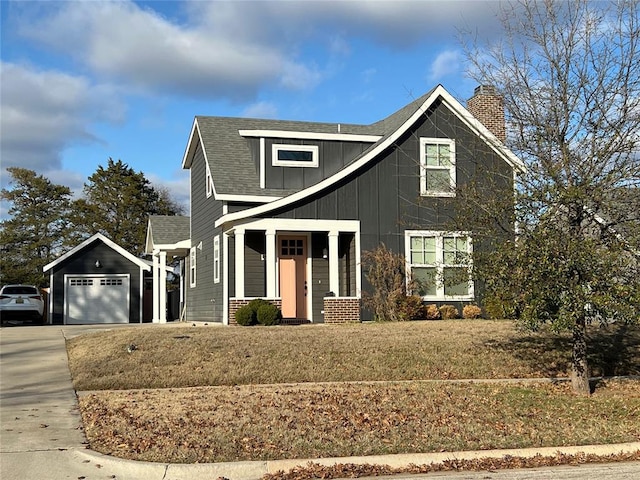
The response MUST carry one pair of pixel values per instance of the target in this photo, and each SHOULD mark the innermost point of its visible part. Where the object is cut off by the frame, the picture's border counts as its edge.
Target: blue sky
(85, 80)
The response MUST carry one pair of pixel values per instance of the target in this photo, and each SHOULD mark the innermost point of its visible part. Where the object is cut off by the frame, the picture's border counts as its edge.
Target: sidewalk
(41, 435)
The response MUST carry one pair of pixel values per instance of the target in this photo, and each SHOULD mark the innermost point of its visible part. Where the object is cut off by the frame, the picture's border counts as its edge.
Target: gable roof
(98, 237)
(167, 230)
(392, 128)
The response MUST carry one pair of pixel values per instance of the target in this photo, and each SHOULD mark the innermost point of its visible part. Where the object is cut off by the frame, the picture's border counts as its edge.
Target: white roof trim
(189, 150)
(344, 137)
(98, 236)
(247, 198)
(439, 91)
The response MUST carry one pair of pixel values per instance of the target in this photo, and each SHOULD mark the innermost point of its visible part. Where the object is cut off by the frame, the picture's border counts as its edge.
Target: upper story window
(437, 167)
(294, 155)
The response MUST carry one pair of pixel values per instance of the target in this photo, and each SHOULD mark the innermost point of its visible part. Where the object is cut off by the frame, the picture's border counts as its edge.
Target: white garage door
(103, 299)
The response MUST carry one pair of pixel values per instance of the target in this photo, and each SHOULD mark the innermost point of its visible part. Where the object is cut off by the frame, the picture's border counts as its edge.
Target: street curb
(255, 470)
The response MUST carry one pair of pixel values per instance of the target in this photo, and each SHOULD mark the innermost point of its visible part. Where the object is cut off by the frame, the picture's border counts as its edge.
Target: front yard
(210, 394)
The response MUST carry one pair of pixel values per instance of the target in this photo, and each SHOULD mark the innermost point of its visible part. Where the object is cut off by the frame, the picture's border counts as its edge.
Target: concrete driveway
(41, 433)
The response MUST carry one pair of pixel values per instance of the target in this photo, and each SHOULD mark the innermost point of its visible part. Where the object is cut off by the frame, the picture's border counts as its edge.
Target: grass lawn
(212, 394)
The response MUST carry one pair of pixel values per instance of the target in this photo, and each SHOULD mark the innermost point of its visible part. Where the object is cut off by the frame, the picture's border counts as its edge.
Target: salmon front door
(292, 261)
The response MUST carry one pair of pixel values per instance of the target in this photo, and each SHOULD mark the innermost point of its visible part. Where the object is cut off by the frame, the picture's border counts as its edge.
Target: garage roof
(95, 238)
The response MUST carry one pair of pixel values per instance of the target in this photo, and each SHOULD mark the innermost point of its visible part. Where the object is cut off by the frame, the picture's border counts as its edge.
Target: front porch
(308, 268)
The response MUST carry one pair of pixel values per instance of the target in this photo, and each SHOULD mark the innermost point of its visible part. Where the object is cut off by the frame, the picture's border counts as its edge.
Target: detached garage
(96, 282)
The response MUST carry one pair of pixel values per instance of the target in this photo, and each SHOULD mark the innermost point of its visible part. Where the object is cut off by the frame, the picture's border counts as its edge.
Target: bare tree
(569, 74)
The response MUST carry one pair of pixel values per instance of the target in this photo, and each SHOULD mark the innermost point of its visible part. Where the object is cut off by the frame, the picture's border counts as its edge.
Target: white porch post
(156, 287)
(239, 239)
(163, 288)
(334, 273)
(270, 259)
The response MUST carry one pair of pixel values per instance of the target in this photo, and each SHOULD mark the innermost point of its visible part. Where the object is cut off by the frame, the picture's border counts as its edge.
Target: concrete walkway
(41, 434)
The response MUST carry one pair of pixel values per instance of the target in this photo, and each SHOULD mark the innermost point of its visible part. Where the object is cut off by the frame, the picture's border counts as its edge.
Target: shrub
(471, 311)
(410, 308)
(432, 312)
(245, 316)
(385, 271)
(268, 314)
(497, 308)
(448, 312)
(255, 304)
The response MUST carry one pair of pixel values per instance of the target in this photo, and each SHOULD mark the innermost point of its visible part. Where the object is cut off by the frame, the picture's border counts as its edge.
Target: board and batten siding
(385, 196)
(205, 301)
(83, 263)
(332, 157)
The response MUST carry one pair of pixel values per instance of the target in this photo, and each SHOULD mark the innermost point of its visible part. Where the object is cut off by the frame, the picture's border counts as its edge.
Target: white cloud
(179, 187)
(45, 111)
(446, 63)
(234, 49)
(261, 110)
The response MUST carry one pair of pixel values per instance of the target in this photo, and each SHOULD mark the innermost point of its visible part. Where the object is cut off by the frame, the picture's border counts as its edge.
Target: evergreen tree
(117, 203)
(38, 228)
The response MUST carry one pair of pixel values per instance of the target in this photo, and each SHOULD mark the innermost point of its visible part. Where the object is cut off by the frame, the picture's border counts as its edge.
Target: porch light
(325, 253)
(98, 264)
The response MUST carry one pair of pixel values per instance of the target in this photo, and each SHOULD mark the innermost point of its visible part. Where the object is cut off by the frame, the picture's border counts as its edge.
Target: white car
(21, 301)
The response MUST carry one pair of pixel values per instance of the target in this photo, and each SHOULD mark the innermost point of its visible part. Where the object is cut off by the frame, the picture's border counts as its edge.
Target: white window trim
(209, 180)
(424, 141)
(439, 265)
(276, 147)
(216, 259)
(193, 271)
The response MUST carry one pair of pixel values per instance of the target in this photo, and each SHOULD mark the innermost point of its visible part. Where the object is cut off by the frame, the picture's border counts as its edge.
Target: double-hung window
(437, 167)
(439, 265)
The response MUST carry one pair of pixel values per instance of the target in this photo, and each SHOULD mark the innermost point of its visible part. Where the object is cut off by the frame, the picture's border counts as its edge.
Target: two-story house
(283, 210)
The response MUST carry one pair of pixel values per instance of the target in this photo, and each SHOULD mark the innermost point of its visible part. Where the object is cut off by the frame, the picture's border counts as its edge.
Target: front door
(292, 261)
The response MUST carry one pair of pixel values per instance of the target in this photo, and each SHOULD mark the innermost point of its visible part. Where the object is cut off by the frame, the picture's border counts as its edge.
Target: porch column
(334, 273)
(163, 288)
(239, 239)
(270, 259)
(156, 287)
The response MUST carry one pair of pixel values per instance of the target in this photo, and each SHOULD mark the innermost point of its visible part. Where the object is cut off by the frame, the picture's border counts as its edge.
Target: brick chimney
(488, 107)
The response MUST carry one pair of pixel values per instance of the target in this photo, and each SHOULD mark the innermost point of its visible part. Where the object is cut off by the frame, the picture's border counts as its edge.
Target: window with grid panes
(437, 167)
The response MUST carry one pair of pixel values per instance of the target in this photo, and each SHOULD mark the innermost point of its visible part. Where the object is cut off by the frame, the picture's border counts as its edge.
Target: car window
(20, 290)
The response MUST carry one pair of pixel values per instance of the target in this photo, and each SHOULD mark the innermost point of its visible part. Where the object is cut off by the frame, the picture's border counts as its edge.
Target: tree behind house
(38, 228)
(117, 202)
(569, 73)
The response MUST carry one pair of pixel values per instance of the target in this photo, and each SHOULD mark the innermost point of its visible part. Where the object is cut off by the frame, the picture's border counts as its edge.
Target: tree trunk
(579, 367)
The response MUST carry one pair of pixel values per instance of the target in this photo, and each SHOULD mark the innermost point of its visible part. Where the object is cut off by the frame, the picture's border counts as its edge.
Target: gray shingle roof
(169, 229)
(232, 167)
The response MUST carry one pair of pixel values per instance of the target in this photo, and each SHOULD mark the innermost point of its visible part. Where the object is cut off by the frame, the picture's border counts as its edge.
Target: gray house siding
(83, 263)
(205, 300)
(332, 157)
(385, 197)
(254, 266)
(320, 274)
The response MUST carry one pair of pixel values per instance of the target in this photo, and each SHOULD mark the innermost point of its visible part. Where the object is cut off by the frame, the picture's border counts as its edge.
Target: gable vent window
(294, 155)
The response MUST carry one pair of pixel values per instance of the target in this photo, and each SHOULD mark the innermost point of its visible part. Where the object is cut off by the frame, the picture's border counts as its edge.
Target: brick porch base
(341, 309)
